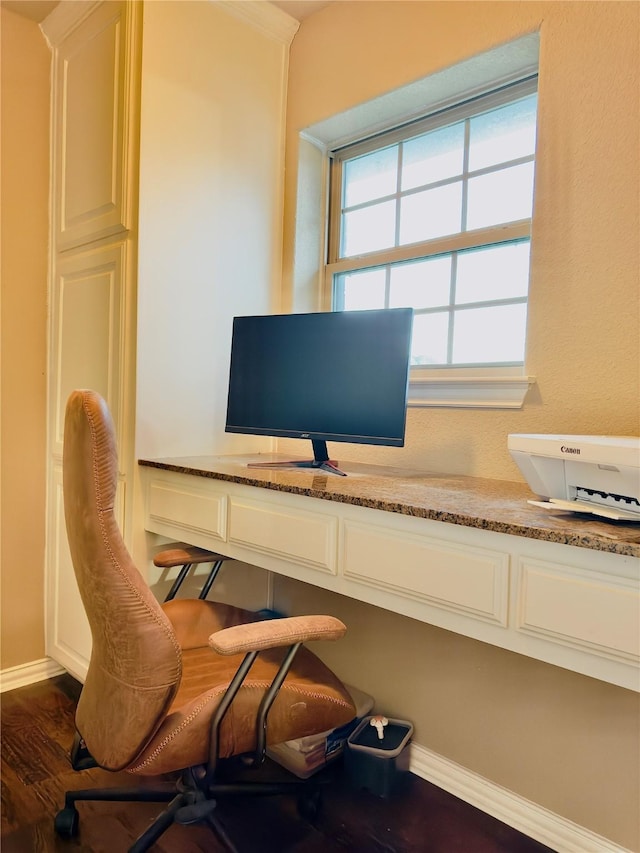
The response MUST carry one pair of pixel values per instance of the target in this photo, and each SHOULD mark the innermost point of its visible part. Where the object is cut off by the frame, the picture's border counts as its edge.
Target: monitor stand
(320, 461)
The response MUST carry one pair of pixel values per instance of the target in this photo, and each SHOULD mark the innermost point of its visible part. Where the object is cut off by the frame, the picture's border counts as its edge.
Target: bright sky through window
(437, 216)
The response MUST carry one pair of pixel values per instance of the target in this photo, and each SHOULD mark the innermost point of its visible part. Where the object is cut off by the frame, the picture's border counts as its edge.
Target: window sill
(469, 392)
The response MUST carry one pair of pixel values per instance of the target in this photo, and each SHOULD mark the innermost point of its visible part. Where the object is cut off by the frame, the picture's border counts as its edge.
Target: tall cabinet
(92, 309)
(166, 221)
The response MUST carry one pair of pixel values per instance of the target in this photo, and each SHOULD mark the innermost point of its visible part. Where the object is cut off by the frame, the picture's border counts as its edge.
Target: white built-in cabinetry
(574, 607)
(95, 105)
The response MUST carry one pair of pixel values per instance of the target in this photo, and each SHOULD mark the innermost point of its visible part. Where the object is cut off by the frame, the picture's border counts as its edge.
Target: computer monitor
(333, 376)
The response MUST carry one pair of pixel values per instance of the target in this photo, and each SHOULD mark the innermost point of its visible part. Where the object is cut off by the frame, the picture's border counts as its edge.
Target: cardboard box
(306, 756)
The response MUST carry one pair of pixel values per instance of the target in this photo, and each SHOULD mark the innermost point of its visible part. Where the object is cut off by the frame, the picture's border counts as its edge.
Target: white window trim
(473, 388)
(480, 388)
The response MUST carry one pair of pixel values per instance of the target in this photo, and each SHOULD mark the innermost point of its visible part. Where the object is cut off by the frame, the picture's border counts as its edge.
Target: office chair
(184, 686)
(186, 556)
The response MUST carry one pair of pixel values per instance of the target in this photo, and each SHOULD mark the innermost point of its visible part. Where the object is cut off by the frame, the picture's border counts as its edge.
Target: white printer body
(597, 474)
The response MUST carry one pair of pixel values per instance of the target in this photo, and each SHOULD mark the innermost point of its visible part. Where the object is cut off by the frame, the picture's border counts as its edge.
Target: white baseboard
(535, 821)
(28, 673)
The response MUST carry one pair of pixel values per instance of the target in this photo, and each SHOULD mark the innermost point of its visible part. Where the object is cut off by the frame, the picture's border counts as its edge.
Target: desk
(465, 554)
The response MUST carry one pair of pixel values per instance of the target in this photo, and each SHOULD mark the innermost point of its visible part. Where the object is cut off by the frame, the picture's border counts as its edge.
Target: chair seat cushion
(312, 699)
(180, 554)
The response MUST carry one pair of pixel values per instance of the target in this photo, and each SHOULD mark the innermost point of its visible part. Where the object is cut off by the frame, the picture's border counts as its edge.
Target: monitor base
(320, 460)
(327, 465)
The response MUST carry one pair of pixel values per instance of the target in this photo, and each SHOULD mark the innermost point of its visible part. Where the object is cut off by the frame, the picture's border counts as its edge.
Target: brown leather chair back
(135, 665)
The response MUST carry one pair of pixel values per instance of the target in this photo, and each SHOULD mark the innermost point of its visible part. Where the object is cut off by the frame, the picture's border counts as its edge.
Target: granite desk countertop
(498, 505)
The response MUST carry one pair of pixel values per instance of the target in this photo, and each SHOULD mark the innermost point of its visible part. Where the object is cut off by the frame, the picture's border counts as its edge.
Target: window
(436, 214)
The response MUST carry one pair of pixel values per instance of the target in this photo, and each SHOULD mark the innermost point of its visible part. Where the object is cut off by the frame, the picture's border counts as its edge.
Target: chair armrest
(272, 633)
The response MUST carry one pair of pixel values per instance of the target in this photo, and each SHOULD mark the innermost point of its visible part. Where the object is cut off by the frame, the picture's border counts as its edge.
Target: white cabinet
(185, 510)
(458, 578)
(68, 633)
(289, 533)
(95, 75)
(574, 607)
(87, 339)
(95, 83)
(578, 608)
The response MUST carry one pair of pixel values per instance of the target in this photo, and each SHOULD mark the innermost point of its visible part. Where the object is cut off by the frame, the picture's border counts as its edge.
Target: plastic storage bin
(306, 756)
(378, 765)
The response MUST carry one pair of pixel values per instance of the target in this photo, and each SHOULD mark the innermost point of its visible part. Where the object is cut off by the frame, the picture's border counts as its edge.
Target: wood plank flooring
(37, 732)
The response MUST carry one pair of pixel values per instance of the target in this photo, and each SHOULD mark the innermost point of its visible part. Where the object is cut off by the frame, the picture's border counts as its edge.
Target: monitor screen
(336, 376)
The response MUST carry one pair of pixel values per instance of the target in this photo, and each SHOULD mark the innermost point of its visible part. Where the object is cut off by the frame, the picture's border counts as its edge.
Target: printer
(596, 474)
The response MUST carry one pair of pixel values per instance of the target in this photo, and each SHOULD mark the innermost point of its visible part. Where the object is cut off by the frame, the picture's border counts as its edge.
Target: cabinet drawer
(469, 580)
(583, 610)
(187, 510)
(294, 535)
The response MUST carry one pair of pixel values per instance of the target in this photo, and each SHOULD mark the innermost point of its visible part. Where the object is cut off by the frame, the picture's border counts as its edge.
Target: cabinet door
(95, 107)
(88, 350)
(67, 627)
(88, 304)
(68, 632)
(92, 74)
(579, 609)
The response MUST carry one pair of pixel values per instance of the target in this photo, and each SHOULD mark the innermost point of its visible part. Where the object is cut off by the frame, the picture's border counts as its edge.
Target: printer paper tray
(593, 509)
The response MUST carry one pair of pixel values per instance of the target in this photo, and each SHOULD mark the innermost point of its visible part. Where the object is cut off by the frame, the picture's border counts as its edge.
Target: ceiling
(37, 10)
(301, 9)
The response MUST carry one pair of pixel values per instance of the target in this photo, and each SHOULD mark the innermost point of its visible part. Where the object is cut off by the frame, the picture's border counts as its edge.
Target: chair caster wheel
(66, 823)
(310, 806)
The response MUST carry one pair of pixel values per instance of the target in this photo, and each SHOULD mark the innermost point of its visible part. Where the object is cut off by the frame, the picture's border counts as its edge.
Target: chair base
(81, 758)
(189, 801)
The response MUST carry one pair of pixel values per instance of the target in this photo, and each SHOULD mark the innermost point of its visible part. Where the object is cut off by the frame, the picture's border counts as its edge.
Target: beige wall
(583, 342)
(210, 230)
(211, 86)
(562, 740)
(24, 199)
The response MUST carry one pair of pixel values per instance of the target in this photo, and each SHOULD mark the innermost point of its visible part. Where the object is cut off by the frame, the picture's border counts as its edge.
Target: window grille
(436, 214)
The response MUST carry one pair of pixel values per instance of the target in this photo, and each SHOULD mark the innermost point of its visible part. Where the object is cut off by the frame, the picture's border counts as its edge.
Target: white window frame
(500, 387)
(450, 244)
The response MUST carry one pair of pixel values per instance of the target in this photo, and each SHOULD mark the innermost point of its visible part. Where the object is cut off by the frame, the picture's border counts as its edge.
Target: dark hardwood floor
(37, 732)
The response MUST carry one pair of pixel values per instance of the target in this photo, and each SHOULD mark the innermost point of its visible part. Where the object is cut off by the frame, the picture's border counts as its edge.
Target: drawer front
(293, 535)
(189, 510)
(469, 580)
(583, 610)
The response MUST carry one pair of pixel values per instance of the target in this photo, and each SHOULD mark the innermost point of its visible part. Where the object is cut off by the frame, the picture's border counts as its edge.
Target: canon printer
(597, 474)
